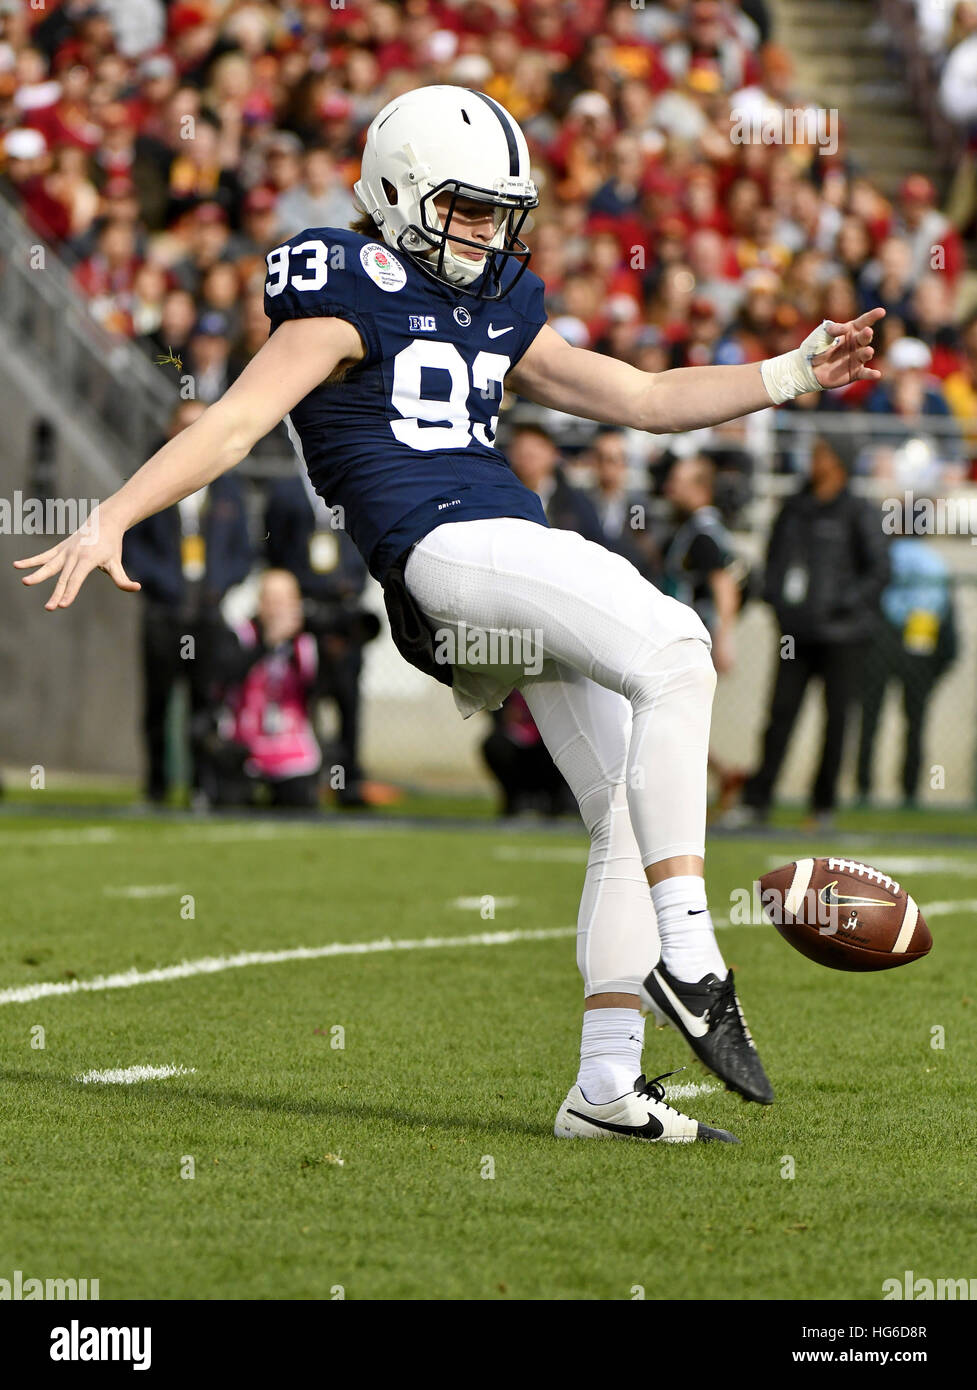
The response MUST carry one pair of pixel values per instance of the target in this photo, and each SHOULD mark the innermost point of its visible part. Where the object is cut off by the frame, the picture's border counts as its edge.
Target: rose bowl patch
(383, 267)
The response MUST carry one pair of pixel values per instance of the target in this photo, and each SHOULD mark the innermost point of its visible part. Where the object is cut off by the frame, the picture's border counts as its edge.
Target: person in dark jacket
(302, 537)
(517, 757)
(535, 460)
(699, 563)
(623, 513)
(826, 569)
(186, 558)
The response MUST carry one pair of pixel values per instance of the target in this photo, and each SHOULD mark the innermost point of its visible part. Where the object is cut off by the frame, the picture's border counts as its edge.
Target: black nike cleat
(709, 1017)
(639, 1114)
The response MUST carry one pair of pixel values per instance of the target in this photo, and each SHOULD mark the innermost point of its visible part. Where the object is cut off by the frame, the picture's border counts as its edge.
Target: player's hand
(95, 546)
(848, 358)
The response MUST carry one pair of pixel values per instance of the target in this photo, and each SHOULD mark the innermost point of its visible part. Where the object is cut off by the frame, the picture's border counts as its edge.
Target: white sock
(610, 1053)
(688, 938)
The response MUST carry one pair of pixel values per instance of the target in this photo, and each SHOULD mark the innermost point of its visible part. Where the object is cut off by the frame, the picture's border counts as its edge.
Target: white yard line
(89, 835)
(243, 833)
(125, 1076)
(946, 909)
(200, 834)
(214, 965)
(903, 864)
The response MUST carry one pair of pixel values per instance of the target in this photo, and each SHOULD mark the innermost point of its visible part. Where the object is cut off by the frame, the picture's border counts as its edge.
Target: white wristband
(792, 374)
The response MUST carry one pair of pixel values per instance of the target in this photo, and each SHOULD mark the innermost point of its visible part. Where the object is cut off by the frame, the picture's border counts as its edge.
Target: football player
(390, 346)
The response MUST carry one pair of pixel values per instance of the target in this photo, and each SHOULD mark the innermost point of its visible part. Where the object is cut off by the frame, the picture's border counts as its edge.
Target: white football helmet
(451, 140)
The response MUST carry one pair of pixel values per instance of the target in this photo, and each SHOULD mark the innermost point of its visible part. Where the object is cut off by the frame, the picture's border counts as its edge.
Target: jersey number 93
(425, 423)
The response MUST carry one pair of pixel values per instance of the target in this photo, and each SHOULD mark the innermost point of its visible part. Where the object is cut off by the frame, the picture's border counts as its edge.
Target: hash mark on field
(125, 1076)
(213, 965)
(142, 890)
(688, 1090)
(473, 904)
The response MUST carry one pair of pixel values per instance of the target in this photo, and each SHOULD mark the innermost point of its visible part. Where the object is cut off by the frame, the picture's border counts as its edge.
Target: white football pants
(620, 685)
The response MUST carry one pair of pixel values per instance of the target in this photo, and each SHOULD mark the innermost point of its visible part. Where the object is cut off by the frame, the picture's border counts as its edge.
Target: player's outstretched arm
(602, 388)
(295, 359)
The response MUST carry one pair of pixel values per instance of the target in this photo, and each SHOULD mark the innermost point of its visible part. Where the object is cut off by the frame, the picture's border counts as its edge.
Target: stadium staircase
(79, 410)
(845, 60)
(101, 388)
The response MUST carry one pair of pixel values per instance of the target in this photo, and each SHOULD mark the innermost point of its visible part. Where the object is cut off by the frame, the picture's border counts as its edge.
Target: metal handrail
(868, 422)
(105, 379)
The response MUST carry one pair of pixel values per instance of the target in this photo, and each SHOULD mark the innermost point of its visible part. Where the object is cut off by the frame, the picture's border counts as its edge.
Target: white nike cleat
(640, 1114)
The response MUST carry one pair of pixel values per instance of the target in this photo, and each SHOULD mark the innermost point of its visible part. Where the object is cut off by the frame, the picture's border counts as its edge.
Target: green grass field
(455, 1061)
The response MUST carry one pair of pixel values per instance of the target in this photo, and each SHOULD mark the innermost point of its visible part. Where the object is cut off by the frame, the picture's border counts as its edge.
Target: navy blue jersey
(406, 440)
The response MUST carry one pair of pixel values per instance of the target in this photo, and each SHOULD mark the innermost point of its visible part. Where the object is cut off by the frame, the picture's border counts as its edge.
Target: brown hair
(365, 226)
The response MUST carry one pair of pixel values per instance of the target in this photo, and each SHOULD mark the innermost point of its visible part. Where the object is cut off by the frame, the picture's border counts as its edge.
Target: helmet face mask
(458, 147)
(444, 263)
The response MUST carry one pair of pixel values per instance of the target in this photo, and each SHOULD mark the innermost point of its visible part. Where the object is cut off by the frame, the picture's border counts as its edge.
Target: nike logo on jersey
(696, 1024)
(497, 332)
(832, 899)
(654, 1129)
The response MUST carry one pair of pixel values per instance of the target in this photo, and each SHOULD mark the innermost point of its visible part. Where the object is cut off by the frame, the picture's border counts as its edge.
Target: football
(844, 914)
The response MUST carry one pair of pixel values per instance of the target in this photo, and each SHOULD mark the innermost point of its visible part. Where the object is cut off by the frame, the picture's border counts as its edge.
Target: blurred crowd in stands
(947, 33)
(165, 147)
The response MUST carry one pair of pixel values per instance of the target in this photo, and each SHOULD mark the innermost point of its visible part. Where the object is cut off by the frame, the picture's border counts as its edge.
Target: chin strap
(792, 374)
